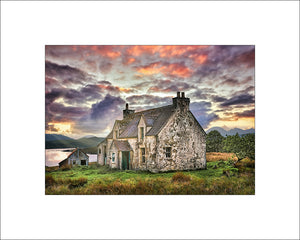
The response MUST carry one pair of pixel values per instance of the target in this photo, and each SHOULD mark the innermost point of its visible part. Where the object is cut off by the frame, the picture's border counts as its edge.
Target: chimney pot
(182, 95)
(178, 94)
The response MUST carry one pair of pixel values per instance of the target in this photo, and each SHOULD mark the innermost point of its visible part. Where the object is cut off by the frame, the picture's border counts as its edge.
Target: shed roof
(75, 151)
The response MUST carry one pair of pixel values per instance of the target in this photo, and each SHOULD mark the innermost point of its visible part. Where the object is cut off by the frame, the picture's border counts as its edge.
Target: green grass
(220, 177)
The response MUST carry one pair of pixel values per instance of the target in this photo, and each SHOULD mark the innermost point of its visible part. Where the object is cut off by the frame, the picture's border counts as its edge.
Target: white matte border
(26, 27)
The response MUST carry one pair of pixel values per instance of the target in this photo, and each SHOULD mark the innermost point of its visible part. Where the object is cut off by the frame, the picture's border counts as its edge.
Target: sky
(86, 87)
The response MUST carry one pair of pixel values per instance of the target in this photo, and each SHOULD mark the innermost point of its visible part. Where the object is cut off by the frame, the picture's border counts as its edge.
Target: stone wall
(187, 141)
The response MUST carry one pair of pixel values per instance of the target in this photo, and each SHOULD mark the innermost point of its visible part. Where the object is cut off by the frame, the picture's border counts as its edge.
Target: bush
(77, 182)
(180, 177)
(49, 180)
(65, 168)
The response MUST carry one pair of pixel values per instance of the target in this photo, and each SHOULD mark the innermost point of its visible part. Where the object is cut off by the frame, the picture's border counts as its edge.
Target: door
(125, 160)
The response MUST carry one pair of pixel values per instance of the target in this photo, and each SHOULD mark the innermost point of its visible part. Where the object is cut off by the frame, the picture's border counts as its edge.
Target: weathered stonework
(158, 140)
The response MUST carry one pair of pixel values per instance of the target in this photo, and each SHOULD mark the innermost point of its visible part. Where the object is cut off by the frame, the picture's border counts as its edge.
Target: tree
(214, 141)
(242, 146)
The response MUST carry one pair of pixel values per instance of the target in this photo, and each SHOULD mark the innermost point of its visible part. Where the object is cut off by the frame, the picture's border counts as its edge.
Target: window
(142, 133)
(74, 162)
(168, 152)
(113, 157)
(143, 155)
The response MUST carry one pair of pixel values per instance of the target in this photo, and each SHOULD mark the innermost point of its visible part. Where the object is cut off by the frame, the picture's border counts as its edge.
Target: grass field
(220, 177)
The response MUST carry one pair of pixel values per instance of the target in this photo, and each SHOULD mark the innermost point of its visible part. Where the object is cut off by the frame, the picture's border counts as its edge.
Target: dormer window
(142, 133)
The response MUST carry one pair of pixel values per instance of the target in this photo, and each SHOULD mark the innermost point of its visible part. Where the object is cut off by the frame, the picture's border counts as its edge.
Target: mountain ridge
(61, 141)
(231, 131)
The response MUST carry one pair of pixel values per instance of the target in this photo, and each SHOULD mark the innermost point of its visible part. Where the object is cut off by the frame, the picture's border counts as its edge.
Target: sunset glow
(87, 86)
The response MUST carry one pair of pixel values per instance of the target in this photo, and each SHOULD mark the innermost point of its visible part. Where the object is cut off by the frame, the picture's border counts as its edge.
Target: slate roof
(122, 145)
(155, 118)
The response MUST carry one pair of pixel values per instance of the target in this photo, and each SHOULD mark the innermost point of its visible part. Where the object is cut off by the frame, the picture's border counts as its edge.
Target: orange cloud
(171, 51)
(198, 58)
(139, 50)
(115, 88)
(129, 61)
(164, 51)
(104, 50)
(171, 69)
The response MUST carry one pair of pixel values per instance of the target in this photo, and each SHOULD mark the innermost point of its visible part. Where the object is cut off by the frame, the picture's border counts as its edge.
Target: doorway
(125, 160)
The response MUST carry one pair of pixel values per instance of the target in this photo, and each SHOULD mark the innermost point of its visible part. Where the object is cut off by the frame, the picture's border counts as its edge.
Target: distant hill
(231, 131)
(72, 143)
(53, 137)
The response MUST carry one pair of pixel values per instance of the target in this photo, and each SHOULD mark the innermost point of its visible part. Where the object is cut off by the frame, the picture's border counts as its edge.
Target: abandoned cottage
(76, 157)
(159, 139)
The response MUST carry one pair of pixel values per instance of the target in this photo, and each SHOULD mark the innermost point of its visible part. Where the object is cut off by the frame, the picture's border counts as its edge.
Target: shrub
(65, 168)
(180, 177)
(49, 180)
(77, 182)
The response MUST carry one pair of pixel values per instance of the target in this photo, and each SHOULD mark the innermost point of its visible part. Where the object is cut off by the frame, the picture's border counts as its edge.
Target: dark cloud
(246, 58)
(200, 106)
(67, 112)
(240, 99)
(218, 99)
(202, 94)
(53, 95)
(201, 111)
(230, 82)
(246, 114)
(248, 90)
(89, 92)
(65, 73)
(108, 107)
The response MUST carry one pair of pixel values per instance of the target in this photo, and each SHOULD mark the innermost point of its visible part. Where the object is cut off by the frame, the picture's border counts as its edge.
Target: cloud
(105, 66)
(246, 114)
(109, 106)
(230, 82)
(218, 99)
(148, 101)
(201, 111)
(202, 94)
(101, 116)
(167, 69)
(108, 51)
(240, 99)
(65, 73)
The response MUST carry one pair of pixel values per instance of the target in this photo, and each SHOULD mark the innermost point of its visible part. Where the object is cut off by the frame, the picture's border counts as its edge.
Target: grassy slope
(221, 177)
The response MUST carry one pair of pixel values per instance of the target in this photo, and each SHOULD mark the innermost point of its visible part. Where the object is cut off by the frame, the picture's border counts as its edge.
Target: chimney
(182, 103)
(127, 111)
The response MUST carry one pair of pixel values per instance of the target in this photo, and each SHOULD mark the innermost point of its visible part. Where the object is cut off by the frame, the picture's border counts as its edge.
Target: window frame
(143, 154)
(168, 154)
(142, 133)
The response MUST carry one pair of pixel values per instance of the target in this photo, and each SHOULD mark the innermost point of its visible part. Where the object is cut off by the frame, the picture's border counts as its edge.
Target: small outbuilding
(76, 157)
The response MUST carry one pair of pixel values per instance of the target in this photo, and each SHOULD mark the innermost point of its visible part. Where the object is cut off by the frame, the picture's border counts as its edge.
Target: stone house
(159, 139)
(76, 157)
